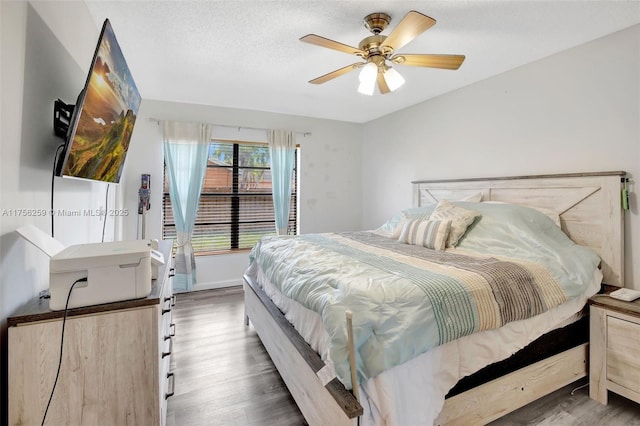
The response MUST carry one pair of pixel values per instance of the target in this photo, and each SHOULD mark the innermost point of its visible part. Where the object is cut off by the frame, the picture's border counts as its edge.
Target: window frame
(236, 195)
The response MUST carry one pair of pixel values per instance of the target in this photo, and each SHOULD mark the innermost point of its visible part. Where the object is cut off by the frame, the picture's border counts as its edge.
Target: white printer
(105, 272)
(115, 271)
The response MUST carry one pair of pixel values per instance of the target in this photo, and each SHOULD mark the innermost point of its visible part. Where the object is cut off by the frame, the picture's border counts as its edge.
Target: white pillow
(473, 198)
(460, 218)
(551, 214)
(428, 233)
(554, 216)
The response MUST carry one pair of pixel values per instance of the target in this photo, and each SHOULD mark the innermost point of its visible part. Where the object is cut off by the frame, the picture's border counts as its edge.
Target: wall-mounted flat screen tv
(103, 118)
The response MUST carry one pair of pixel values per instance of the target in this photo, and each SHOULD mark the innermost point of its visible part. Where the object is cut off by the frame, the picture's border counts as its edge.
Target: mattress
(414, 392)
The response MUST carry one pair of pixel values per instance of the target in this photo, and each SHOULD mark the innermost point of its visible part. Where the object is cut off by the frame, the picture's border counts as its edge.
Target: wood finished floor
(224, 376)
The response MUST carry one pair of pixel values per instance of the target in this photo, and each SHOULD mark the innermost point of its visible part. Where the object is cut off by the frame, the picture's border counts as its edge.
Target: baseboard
(216, 284)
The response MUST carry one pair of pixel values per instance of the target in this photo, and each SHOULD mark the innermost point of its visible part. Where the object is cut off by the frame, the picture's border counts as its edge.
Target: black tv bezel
(73, 124)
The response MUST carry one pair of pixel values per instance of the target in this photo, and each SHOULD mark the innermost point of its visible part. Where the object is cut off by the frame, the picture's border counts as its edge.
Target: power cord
(106, 209)
(53, 176)
(64, 321)
(573, 392)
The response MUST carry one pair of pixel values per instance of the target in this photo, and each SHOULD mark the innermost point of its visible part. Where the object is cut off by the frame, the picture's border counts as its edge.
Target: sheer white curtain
(282, 149)
(186, 151)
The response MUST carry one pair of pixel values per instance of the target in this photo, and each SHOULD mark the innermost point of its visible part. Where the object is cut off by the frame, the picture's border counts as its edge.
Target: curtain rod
(305, 134)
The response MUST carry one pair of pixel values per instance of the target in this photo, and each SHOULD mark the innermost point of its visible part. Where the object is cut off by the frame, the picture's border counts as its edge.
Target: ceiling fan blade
(382, 84)
(331, 44)
(448, 62)
(336, 73)
(412, 25)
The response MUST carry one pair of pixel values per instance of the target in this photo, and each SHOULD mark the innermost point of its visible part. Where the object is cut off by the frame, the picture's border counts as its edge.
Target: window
(236, 203)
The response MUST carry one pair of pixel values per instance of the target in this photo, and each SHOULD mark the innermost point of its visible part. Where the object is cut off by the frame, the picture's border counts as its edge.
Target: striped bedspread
(477, 293)
(407, 299)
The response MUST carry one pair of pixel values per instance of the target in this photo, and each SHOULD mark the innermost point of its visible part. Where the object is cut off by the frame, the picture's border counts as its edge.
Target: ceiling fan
(378, 50)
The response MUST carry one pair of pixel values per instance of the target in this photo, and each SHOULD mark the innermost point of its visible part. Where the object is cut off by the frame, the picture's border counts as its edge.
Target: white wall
(575, 111)
(43, 58)
(330, 173)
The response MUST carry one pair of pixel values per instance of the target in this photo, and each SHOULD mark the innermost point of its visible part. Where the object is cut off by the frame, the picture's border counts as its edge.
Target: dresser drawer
(166, 332)
(623, 347)
(166, 328)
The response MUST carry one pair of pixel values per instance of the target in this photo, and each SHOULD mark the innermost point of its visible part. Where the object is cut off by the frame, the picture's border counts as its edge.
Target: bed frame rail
(490, 401)
(298, 364)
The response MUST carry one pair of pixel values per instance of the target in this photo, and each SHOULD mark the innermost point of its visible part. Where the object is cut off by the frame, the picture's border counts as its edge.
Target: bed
(317, 359)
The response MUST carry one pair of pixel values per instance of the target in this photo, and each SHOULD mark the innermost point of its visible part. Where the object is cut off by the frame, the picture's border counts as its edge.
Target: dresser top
(607, 302)
(38, 309)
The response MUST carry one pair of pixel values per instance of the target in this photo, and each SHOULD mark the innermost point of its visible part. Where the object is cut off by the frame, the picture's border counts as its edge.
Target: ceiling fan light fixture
(393, 78)
(368, 79)
(377, 50)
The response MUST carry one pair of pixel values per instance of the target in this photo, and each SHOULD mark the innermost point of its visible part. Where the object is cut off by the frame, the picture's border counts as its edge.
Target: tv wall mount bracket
(62, 114)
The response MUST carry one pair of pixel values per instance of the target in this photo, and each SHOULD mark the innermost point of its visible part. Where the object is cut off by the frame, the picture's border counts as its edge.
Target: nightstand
(614, 348)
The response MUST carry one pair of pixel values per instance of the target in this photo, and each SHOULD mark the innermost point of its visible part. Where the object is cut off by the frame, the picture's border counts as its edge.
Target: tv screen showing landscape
(104, 116)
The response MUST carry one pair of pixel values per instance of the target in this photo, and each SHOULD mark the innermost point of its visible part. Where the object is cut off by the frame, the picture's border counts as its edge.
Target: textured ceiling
(246, 54)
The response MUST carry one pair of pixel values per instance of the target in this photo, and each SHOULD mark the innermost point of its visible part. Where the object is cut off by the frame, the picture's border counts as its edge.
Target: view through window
(236, 203)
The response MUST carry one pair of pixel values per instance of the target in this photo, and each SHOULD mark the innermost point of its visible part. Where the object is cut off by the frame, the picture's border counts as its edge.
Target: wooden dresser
(116, 361)
(614, 345)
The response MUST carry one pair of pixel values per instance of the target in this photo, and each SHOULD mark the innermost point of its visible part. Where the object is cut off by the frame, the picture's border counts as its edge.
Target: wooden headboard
(589, 205)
